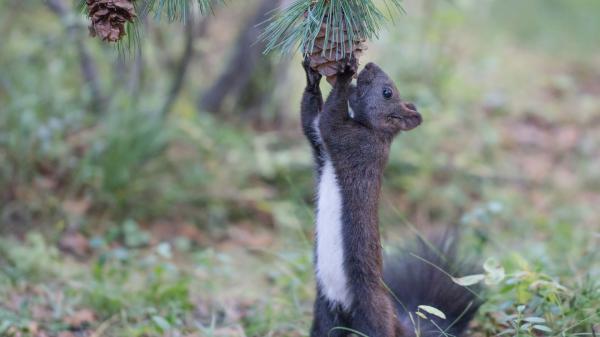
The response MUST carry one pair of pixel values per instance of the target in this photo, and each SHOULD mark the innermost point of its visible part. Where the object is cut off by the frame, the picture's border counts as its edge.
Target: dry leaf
(74, 243)
(80, 318)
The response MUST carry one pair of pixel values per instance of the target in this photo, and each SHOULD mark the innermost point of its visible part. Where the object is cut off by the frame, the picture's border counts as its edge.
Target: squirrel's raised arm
(310, 108)
(337, 102)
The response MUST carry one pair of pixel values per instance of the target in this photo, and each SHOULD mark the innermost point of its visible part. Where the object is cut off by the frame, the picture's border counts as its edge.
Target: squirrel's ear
(364, 83)
(366, 76)
(368, 79)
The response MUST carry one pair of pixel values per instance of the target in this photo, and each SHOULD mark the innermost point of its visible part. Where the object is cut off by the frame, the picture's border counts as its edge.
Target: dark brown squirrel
(351, 134)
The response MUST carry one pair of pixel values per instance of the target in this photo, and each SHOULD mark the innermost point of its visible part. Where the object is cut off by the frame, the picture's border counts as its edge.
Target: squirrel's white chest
(330, 272)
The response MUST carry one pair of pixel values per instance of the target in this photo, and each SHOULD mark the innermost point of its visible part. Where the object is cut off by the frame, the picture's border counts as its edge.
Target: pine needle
(296, 27)
(173, 10)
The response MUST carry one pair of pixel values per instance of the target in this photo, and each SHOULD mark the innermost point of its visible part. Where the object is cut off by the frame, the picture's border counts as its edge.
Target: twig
(136, 76)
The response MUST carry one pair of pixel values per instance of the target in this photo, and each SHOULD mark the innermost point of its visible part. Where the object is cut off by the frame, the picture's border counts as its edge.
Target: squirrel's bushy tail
(415, 278)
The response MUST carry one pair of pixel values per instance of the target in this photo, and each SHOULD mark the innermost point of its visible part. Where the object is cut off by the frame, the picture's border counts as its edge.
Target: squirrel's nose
(411, 106)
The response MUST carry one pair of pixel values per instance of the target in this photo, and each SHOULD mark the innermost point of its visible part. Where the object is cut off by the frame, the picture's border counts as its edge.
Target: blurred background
(166, 190)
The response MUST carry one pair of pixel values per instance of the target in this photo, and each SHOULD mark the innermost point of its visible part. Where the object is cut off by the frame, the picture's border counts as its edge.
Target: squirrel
(350, 135)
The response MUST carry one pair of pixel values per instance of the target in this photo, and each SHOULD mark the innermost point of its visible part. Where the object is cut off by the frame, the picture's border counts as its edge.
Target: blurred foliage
(128, 222)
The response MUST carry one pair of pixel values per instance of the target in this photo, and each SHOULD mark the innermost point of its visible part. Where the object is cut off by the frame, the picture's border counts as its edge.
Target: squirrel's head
(376, 103)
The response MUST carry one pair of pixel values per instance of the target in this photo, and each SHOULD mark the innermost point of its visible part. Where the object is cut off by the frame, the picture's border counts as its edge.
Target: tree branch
(86, 62)
(184, 62)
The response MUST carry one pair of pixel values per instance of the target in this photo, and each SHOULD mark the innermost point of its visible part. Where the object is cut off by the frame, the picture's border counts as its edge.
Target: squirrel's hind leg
(328, 320)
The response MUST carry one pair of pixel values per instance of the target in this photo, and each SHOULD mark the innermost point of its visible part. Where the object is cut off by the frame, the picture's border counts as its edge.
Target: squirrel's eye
(387, 93)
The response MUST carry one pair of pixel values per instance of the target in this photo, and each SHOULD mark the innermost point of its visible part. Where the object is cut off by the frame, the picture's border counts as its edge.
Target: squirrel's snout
(409, 108)
(409, 117)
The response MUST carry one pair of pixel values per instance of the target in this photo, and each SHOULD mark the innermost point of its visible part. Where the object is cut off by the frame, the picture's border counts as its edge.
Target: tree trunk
(246, 59)
(192, 31)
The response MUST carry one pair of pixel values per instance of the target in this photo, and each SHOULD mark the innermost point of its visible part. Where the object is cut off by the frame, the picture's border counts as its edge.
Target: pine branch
(176, 10)
(173, 10)
(297, 26)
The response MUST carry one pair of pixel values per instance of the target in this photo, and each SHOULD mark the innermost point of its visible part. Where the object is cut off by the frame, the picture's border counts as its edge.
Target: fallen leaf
(250, 238)
(164, 231)
(76, 208)
(74, 243)
(41, 312)
(80, 318)
(66, 334)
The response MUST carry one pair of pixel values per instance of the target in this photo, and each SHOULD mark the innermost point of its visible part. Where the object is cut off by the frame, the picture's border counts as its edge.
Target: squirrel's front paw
(347, 68)
(313, 77)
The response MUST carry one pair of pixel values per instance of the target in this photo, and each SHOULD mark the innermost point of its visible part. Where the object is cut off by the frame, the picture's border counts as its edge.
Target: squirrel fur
(350, 134)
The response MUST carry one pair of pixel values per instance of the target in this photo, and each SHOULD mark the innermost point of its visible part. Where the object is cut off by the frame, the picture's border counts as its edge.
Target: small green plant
(128, 144)
(33, 260)
(525, 326)
(534, 303)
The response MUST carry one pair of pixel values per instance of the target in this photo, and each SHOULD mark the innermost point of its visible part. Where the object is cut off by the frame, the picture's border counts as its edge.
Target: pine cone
(326, 61)
(109, 17)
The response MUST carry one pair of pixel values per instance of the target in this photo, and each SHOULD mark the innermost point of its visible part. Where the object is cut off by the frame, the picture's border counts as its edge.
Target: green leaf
(506, 332)
(4, 325)
(494, 272)
(495, 277)
(525, 327)
(468, 280)
(491, 264)
(420, 314)
(433, 311)
(164, 250)
(542, 328)
(535, 320)
(162, 323)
